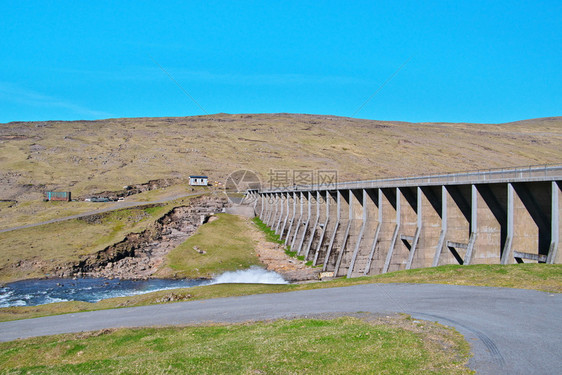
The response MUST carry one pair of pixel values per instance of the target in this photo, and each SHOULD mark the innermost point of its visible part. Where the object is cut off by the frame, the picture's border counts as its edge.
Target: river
(42, 291)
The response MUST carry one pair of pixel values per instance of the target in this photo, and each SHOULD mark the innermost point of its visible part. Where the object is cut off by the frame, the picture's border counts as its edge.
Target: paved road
(511, 331)
(116, 206)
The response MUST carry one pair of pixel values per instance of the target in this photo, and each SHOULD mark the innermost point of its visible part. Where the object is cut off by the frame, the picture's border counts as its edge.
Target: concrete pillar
(387, 237)
(443, 232)
(292, 221)
(289, 214)
(526, 244)
(351, 238)
(375, 228)
(278, 205)
(281, 215)
(359, 241)
(429, 226)
(486, 228)
(330, 228)
(473, 225)
(299, 221)
(394, 238)
(507, 257)
(419, 222)
(323, 236)
(330, 259)
(270, 208)
(286, 213)
(274, 210)
(256, 202)
(553, 253)
(316, 199)
(458, 203)
(262, 208)
(306, 223)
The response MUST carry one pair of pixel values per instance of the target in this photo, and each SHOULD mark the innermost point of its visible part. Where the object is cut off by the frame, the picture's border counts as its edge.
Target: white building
(198, 180)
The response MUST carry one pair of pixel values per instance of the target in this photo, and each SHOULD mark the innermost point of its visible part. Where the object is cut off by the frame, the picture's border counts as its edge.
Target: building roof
(198, 177)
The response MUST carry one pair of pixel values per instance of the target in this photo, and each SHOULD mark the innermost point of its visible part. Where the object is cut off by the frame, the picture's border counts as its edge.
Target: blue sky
(469, 61)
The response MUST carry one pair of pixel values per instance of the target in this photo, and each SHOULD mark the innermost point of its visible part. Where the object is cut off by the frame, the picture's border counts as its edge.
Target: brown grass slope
(91, 156)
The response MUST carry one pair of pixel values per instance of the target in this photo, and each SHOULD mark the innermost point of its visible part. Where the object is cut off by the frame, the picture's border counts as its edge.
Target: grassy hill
(92, 156)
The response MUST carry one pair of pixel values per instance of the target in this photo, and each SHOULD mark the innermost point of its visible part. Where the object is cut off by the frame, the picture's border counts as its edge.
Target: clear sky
(450, 61)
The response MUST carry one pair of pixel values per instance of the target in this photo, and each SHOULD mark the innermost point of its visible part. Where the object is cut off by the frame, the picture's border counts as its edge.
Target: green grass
(344, 345)
(269, 233)
(544, 277)
(226, 245)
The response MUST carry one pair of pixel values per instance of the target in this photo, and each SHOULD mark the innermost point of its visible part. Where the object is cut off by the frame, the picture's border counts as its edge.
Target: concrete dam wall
(372, 227)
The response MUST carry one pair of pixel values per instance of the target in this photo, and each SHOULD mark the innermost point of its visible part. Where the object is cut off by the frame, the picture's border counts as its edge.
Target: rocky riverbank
(140, 255)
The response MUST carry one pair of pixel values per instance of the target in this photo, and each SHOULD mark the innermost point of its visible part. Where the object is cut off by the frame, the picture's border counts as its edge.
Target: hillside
(86, 157)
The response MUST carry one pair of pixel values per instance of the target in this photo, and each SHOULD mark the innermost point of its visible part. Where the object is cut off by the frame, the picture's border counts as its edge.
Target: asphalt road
(511, 331)
(113, 207)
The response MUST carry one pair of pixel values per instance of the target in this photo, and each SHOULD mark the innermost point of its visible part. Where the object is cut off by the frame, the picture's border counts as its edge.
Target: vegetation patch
(270, 234)
(219, 246)
(342, 345)
(543, 277)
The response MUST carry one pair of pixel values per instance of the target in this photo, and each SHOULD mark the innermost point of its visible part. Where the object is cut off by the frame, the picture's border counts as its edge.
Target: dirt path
(274, 257)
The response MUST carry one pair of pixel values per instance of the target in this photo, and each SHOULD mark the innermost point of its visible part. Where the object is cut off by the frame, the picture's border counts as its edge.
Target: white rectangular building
(198, 180)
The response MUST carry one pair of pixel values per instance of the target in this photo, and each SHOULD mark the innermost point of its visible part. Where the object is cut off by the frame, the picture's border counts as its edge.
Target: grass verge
(544, 277)
(313, 346)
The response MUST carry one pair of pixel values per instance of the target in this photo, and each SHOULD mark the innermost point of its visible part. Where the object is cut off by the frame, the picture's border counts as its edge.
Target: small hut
(198, 180)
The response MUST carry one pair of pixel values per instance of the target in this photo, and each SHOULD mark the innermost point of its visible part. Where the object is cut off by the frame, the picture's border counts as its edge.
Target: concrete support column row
(368, 231)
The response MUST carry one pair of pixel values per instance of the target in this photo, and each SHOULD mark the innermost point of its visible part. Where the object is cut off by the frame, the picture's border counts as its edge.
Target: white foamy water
(53, 300)
(253, 275)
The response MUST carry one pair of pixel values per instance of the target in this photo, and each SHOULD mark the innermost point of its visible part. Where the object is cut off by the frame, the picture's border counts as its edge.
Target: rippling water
(42, 291)
(38, 292)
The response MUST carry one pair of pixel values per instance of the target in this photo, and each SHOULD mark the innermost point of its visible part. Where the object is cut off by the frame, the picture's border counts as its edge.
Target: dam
(499, 216)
